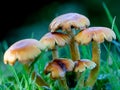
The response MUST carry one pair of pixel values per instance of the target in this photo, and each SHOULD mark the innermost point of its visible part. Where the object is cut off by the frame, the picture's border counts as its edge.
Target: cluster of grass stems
(16, 78)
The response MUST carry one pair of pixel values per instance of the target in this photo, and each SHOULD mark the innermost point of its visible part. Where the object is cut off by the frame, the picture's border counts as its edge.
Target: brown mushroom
(25, 51)
(58, 67)
(50, 40)
(83, 64)
(97, 35)
(66, 22)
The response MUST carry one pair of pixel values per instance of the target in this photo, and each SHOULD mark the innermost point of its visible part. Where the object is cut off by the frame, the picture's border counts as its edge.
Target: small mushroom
(83, 64)
(50, 40)
(58, 67)
(66, 22)
(97, 35)
(24, 51)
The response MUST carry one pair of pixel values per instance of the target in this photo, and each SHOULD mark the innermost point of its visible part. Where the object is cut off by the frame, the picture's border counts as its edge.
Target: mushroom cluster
(26, 50)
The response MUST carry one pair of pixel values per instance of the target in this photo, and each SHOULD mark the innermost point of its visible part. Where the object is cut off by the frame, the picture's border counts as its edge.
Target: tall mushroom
(50, 40)
(25, 51)
(58, 68)
(97, 35)
(66, 22)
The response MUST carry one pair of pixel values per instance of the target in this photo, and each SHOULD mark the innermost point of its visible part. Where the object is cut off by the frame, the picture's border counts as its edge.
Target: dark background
(24, 19)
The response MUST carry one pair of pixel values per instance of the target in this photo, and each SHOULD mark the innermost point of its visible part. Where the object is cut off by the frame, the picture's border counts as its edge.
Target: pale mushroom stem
(54, 53)
(95, 58)
(75, 55)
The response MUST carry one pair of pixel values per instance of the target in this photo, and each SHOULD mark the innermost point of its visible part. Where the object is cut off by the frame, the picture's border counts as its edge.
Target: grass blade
(11, 68)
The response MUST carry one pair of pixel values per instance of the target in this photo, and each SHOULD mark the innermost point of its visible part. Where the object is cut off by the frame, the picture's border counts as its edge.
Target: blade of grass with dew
(115, 28)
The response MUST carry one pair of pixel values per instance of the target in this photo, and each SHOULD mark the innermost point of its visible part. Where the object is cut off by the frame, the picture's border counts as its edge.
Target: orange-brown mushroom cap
(49, 40)
(83, 64)
(24, 51)
(58, 67)
(98, 34)
(66, 21)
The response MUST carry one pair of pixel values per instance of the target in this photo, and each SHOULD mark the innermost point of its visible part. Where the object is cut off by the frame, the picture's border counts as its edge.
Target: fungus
(83, 64)
(66, 22)
(25, 51)
(97, 35)
(58, 68)
(50, 40)
(79, 67)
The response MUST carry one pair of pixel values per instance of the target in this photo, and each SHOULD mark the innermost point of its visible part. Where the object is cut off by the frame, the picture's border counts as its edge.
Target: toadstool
(83, 64)
(50, 40)
(58, 68)
(66, 22)
(25, 51)
(97, 35)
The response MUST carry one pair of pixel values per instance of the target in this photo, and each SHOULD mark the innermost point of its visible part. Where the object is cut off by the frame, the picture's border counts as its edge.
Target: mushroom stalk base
(54, 53)
(74, 47)
(95, 58)
(38, 80)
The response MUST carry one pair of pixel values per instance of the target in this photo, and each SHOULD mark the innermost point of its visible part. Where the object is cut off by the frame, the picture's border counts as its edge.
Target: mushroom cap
(97, 34)
(58, 67)
(24, 51)
(66, 21)
(83, 64)
(49, 40)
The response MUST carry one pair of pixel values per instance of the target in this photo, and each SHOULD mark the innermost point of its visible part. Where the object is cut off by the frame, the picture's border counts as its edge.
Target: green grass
(16, 78)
